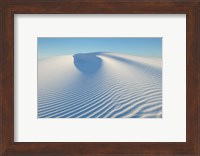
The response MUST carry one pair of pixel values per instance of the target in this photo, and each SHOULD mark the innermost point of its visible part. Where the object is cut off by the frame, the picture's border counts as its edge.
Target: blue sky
(50, 47)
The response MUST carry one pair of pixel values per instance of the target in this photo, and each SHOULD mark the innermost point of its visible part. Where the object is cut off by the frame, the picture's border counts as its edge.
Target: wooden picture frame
(10, 7)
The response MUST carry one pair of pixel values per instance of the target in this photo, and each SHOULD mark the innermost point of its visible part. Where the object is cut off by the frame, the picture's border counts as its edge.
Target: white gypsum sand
(100, 85)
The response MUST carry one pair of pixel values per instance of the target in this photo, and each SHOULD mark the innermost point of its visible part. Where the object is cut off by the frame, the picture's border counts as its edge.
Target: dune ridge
(100, 85)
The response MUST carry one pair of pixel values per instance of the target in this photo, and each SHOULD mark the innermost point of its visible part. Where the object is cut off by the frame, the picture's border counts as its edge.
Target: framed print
(99, 78)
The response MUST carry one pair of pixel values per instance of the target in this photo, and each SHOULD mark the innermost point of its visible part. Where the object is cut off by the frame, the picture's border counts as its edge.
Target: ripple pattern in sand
(100, 85)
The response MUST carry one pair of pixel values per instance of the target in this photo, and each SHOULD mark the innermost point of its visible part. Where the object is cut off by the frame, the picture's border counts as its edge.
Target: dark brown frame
(10, 7)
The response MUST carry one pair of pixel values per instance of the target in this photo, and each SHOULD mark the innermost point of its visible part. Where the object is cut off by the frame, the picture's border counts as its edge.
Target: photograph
(99, 77)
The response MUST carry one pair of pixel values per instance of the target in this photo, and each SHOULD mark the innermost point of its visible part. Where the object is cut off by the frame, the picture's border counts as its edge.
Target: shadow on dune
(87, 63)
(136, 64)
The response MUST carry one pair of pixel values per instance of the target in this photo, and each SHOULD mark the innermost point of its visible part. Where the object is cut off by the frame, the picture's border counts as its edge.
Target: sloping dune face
(100, 85)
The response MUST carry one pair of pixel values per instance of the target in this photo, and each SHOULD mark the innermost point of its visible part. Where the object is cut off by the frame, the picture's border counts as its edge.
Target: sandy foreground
(100, 85)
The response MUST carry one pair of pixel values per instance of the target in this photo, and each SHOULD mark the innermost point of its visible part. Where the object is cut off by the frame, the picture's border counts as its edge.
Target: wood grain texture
(1, 108)
(198, 78)
(116, 1)
(7, 85)
(11, 7)
(192, 79)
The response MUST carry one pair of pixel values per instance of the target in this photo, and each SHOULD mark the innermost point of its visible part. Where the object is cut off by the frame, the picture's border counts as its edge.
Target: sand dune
(100, 85)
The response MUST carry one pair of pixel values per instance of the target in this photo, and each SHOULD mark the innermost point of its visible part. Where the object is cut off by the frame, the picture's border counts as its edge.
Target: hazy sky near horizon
(50, 47)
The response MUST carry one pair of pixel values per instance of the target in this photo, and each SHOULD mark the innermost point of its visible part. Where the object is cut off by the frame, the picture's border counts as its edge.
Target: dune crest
(87, 63)
(100, 85)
